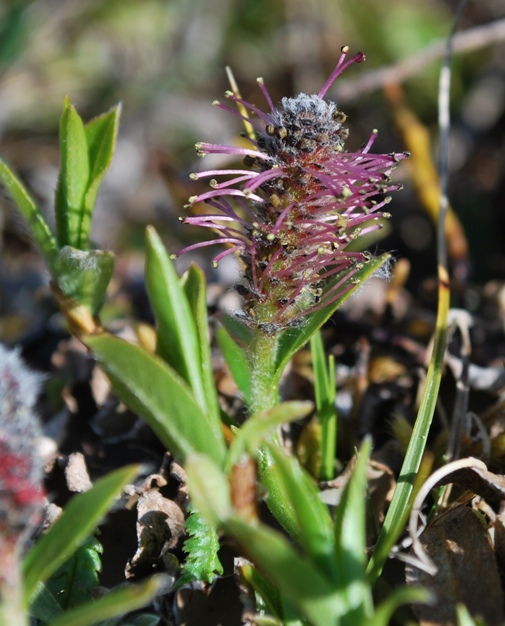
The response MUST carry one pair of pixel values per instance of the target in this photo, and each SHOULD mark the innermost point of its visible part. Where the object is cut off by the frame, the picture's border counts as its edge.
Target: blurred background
(164, 60)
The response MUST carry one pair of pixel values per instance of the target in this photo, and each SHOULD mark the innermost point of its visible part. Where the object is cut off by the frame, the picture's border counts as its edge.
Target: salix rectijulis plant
(290, 211)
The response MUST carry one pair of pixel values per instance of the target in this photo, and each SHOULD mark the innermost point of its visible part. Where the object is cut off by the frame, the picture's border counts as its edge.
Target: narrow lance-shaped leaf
(309, 590)
(44, 605)
(259, 426)
(350, 543)
(32, 214)
(262, 586)
(193, 283)
(147, 385)
(80, 517)
(250, 438)
(237, 362)
(315, 596)
(101, 135)
(316, 529)
(73, 582)
(73, 178)
(178, 342)
(410, 595)
(117, 602)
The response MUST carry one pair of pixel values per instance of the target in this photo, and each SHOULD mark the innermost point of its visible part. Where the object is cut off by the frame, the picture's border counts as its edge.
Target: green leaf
(31, 213)
(195, 288)
(73, 179)
(147, 385)
(237, 362)
(146, 619)
(44, 605)
(261, 585)
(249, 439)
(101, 135)
(117, 602)
(238, 330)
(322, 387)
(276, 498)
(209, 488)
(75, 580)
(292, 340)
(350, 544)
(399, 509)
(84, 276)
(325, 392)
(397, 598)
(296, 578)
(313, 519)
(202, 562)
(465, 618)
(178, 341)
(257, 428)
(81, 516)
(315, 596)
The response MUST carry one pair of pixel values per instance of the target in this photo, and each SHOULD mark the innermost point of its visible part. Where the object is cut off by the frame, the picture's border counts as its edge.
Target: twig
(466, 41)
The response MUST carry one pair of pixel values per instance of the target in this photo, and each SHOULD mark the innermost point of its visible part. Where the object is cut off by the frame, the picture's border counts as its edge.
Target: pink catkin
(311, 200)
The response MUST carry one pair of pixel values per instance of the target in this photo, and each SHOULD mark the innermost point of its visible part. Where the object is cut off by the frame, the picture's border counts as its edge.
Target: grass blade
(399, 508)
(325, 392)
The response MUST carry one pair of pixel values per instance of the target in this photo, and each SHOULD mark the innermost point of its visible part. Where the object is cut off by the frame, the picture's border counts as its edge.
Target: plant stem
(262, 354)
(264, 384)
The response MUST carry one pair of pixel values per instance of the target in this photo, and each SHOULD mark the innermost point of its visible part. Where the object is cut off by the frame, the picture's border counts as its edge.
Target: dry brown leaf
(160, 526)
(456, 560)
(458, 544)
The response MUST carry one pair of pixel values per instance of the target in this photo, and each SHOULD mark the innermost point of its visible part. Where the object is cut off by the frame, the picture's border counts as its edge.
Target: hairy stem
(264, 384)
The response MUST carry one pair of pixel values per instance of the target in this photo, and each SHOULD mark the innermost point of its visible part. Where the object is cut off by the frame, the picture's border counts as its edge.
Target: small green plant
(295, 214)
(80, 273)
